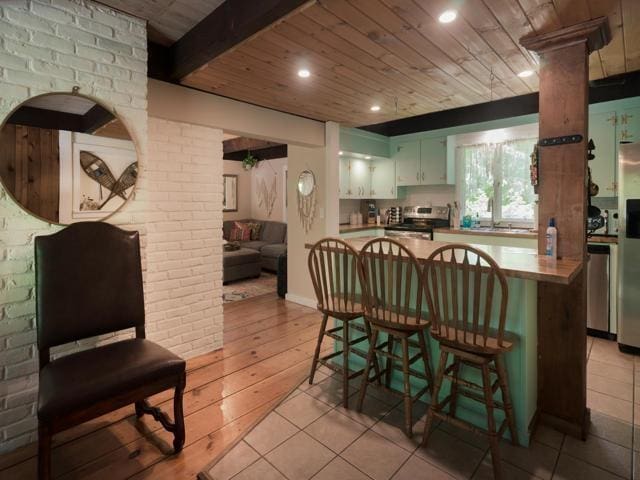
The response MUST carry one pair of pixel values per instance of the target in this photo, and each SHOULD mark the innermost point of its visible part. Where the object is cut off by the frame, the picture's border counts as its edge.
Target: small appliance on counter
(369, 211)
(394, 215)
(419, 222)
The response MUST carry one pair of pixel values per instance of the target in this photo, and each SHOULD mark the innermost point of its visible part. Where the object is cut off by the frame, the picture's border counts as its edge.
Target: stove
(419, 222)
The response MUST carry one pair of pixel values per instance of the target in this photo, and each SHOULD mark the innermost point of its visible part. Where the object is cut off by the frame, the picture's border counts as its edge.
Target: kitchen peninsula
(524, 268)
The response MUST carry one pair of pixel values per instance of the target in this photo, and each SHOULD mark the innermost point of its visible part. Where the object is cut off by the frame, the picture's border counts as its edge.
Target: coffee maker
(369, 211)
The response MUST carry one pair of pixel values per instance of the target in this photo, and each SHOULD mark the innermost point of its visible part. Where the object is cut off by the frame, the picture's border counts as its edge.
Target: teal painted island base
(521, 363)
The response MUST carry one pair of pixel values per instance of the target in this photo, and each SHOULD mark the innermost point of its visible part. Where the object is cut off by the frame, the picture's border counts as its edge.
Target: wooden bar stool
(391, 279)
(333, 266)
(461, 284)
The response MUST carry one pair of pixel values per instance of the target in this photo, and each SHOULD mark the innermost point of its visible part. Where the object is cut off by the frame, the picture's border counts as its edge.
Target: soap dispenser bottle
(552, 239)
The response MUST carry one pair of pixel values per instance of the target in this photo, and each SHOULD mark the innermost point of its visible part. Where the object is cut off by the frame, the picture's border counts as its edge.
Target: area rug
(252, 287)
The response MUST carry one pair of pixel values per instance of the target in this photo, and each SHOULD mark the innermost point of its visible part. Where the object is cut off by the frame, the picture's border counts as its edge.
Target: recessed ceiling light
(447, 16)
(340, 152)
(304, 73)
(367, 157)
(375, 108)
(525, 73)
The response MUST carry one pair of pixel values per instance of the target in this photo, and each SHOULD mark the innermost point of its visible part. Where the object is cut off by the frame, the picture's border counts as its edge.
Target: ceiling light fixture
(340, 152)
(375, 108)
(525, 73)
(304, 73)
(447, 16)
(367, 157)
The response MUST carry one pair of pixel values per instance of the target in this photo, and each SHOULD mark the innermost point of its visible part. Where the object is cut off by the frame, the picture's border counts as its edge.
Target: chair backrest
(88, 282)
(333, 266)
(462, 283)
(391, 278)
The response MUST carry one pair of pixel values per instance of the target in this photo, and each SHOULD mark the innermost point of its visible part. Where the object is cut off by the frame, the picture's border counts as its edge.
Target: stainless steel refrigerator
(629, 247)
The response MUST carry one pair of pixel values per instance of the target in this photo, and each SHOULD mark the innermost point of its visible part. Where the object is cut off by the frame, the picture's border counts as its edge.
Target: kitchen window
(496, 175)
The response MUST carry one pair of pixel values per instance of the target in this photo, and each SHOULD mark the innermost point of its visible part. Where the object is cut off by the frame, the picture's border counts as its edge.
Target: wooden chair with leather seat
(463, 285)
(333, 266)
(89, 283)
(391, 278)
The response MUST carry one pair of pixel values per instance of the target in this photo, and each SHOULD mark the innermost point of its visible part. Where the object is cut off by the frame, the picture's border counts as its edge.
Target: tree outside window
(498, 171)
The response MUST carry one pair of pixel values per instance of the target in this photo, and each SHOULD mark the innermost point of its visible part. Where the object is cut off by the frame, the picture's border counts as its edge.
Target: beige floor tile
(611, 429)
(477, 440)
(614, 407)
(382, 395)
(391, 427)
(236, 460)
(537, 459)
(372, 411)
(511, 472)
(375, 455)
(615, 372)
(548, 436)
(261, 470)
(300, 457)
(270, 433)
(302, 409)
(339, 469)
(416, 468)
(607, 351)
(570, 468)
(600, 452)
(317, 378)
(451, 454)
(609, 386)
(329, 391)
(335, 430)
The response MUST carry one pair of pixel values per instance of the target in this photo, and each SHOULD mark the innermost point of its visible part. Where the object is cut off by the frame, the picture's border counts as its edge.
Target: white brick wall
(52, 45)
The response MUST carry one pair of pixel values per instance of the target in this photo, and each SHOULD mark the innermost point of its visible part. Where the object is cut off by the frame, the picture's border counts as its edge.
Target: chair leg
(408, 404)
(503, 380)
(316, 355)
(44, 452)
(389, 366)
(454, 386)
(178, 417)
(434, 399)
(376, 365)
(139, 406)
(345, 364)
(367, 369)
(491, 423)
(424, 348)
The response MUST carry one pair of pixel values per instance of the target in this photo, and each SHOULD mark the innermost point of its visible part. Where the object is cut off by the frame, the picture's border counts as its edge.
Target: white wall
(176, 207)
(269, 170)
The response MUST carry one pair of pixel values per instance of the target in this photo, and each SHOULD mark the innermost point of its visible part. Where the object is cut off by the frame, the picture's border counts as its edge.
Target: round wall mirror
(306, 183)
(64, 158)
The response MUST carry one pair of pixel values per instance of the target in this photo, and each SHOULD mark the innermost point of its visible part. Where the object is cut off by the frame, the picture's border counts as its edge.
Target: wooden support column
(562, 310)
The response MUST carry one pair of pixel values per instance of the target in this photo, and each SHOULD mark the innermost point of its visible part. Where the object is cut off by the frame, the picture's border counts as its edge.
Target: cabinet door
(407, 158)
(433, 161)
(602, 130)
(360, 178)
(345, 183)
(629, 125)
(383, 178)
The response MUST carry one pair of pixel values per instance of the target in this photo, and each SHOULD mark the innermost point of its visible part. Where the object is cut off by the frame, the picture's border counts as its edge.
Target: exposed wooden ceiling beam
(91, 121)
(227, 26)
(268, 153)
(243, 143)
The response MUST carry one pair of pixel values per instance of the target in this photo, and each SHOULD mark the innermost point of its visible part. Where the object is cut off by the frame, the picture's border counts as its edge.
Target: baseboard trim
(307, 302)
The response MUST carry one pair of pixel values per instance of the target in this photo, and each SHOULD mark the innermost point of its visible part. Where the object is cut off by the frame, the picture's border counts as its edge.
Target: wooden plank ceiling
(395, 54)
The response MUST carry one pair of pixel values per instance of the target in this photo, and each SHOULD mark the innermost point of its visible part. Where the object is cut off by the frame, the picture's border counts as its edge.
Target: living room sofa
(244, 263)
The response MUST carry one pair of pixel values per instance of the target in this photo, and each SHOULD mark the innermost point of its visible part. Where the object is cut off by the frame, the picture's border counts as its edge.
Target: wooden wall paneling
(541, 14)
(631, 34)
(460, 31)
(571, 12)
(34, 170)
(611, 56)
(8, 157)
(22, 159)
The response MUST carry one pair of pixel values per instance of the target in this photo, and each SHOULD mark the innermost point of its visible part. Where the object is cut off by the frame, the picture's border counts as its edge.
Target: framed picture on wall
(230, 193)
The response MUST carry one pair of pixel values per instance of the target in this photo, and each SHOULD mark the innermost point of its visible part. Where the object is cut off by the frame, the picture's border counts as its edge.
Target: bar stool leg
(316, 355)
(345, 364)
(491, 423)
(503, 380)
(389, 366)
(365, 376)
(376, 366)
(444, 355)
(408, 404)
(454, 386)
(425, 358)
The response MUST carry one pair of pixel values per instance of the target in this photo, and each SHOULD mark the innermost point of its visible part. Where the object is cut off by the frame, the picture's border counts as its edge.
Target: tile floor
(311, 436)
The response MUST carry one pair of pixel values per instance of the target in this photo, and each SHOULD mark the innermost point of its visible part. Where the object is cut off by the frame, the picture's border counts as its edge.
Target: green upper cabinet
(360, 175)
(407, 157)
(383, 175)
(602, 130)
(433, 161)
(629, 125)
(345, 180)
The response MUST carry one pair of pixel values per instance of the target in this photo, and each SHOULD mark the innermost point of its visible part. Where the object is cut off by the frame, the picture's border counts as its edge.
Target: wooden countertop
(359, 227)
(602, 239)
(490, 233)
(522, 263)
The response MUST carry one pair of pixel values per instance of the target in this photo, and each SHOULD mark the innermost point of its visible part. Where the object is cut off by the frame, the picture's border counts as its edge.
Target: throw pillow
(240, 233)
(255, 230)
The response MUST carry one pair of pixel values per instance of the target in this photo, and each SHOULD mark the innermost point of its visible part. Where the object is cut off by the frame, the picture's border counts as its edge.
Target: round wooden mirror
(306, 183)
(64, 158)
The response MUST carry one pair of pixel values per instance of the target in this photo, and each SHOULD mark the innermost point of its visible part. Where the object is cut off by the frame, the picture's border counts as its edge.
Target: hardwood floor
(267, 351)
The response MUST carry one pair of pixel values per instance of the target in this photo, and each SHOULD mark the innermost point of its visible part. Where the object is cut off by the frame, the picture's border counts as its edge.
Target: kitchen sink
(502, 229)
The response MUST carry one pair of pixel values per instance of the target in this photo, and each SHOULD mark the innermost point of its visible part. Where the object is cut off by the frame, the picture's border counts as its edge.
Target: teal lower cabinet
(372, 232)
(505, 240)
